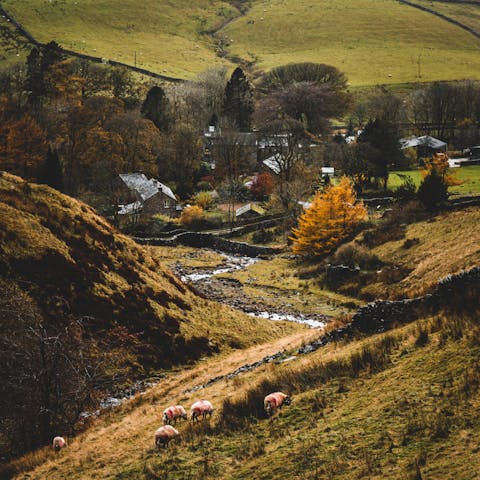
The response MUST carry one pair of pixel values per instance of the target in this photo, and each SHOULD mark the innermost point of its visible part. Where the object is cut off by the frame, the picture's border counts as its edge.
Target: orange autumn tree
(332, 216)
(439, 164)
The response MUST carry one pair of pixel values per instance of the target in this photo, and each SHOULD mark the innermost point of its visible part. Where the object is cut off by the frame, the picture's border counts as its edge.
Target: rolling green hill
(373, 41)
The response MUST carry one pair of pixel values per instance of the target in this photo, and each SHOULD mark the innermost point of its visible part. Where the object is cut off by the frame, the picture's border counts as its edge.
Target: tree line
(75, 125)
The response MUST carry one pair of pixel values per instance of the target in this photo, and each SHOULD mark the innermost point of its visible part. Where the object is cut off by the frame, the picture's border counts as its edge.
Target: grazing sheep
(273, 401)
(59, 443)
(173, 413)
(203, 408)
(164, 435)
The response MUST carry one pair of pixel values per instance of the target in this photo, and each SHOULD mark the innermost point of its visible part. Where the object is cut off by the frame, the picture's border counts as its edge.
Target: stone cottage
(140, 198)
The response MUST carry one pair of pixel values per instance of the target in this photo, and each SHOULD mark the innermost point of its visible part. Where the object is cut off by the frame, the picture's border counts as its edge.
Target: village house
(140, 198)
(425, 146)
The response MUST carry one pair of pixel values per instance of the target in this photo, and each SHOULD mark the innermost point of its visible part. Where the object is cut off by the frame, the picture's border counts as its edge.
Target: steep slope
(181, 39)
(401, 404)
(84, 311)
(57, 248)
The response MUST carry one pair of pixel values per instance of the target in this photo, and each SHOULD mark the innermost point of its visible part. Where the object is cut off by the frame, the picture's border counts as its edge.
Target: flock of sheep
(201, 408)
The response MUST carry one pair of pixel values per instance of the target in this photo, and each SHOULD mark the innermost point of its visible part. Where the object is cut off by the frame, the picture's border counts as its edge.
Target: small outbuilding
(250, 210)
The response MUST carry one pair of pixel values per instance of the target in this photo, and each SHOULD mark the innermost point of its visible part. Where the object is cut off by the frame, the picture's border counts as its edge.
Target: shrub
(203, 199)
(262, 236)
(204, 186)
(162, 223)
(353, 255)
(433, 191)
(193, 217)
(406, 191)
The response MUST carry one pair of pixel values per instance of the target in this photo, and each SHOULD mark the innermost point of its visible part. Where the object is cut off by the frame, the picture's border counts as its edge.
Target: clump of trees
(333, 215)
(308, 93)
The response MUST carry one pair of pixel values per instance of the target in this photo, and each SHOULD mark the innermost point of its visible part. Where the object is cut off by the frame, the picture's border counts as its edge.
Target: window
(166, 204)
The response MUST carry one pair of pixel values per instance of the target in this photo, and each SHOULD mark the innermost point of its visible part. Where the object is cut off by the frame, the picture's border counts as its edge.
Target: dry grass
(372, 419)
(126, 435)
(441, 245)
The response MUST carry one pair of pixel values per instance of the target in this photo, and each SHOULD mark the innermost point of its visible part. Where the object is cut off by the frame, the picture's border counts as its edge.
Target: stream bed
(229, 291)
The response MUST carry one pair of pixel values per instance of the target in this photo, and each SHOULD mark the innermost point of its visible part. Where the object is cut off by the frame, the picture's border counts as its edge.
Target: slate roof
(145, 187)
(426, 141)
(274, 163)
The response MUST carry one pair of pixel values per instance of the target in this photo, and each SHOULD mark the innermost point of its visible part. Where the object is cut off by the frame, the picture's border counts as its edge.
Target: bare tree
(49, 372)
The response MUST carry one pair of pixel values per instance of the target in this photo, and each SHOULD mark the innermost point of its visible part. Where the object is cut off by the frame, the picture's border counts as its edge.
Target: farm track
(444, 17)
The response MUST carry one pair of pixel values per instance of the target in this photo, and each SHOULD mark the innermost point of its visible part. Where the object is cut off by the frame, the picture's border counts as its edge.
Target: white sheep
(201, 408)
(173, 413)
(164, 435)
(274, 401)
(59, 443)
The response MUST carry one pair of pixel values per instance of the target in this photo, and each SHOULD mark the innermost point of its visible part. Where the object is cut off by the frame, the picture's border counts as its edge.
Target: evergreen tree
(384, 138)
(156, 108)
(238, 104)
(38, 63)
(332, 216)
(51, 173)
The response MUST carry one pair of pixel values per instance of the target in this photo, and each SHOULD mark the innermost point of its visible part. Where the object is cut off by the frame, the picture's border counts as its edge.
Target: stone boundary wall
(442, 16)
(208, 240)
(252, 227)
(381, 315)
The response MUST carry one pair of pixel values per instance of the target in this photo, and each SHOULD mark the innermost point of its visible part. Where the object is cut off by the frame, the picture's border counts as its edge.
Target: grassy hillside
(373, 41)
(398, 405)
(402, 255)
(55, 247)
(368, 39)
(165, 36)
(84, 312)
(416, 255)
(466, 13)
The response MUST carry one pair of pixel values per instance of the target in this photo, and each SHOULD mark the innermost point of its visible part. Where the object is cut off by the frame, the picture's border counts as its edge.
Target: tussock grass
(369, 358)
(384, 408)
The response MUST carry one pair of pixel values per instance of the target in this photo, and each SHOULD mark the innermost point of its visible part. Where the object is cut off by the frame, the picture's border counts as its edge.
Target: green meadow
(373, 41)
(469, 176)
(162, 36)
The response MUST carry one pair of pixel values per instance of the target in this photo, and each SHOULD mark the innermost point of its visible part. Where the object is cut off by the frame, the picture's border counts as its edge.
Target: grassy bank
(389, 407)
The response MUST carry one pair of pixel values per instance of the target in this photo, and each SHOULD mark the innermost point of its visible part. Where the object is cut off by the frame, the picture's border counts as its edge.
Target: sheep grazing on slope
(273, 401)
(59, 443)
(201, 408)
(164, 435)
(173, 413)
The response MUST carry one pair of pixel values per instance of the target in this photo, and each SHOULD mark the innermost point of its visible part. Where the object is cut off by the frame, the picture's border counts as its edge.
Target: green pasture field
(466, 13)
(470, 176)
(373, 41)
(368, 39)
(164, 36)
